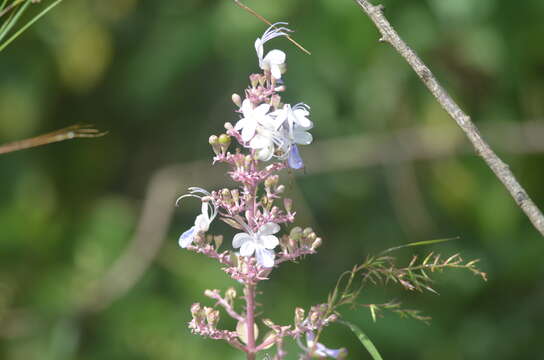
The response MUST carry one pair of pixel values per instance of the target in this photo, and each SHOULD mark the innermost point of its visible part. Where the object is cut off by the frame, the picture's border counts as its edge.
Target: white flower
(296, 115)
(265, 140)
(203, 220)
(252, 118)
(294, 124)
(275, 59)
(261, 243)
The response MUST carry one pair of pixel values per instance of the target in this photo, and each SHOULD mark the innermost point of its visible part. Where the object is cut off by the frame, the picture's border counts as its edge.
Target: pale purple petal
(239, 239)
(269, 241)
(187, 237)
(247, 248)
(269, 229)
(265, 257)
(302, 137)
(294, 160)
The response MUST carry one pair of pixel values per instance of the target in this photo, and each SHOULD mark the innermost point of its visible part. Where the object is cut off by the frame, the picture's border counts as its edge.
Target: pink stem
(250, 321)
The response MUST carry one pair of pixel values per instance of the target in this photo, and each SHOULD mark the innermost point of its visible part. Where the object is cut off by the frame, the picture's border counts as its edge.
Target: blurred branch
(263, 19)
(422, 143)
(501, 170)
(71, 132)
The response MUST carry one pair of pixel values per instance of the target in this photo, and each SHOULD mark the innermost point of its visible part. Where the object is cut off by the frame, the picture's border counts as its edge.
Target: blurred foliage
(158, 75)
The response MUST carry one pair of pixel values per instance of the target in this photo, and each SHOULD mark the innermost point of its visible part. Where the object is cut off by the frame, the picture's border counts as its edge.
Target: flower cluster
(268, 133)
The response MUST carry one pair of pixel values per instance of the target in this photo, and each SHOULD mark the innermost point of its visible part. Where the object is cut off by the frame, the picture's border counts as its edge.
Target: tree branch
(501, 169)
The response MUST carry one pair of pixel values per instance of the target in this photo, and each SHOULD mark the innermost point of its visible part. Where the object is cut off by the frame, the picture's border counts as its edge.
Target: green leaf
(420, 243)
(29, 23)
(363, 339)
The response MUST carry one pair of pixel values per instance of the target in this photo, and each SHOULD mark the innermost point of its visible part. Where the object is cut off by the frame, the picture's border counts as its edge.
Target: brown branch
(71, 132)
(501, 169)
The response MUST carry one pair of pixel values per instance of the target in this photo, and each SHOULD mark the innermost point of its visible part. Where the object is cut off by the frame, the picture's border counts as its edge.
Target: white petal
(249, 130)
(202, 223)
(302, 120)
(265, 257)
(187, 237)
(259, 142)
(246, 108)
(269, 241)
(240, 124)
(239, 239)
(259, 48)
(265, 153)
(269, 229)
(275, 57)
(248, 248)
(262, 109)
(276, 71)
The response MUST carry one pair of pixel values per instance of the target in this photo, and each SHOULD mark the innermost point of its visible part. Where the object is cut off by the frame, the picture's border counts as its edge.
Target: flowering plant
(268, 133)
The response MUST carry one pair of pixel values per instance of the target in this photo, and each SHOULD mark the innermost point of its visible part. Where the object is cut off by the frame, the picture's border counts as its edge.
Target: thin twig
(501, 169)
(70, 132)
(263, 19)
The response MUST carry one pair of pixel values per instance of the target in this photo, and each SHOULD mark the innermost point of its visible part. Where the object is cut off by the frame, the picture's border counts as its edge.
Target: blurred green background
(388, 167)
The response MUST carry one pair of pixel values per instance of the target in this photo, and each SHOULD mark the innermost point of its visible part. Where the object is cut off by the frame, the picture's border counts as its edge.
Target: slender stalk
(250, 321)
(9, 7)
(501, 169)
(71, 132)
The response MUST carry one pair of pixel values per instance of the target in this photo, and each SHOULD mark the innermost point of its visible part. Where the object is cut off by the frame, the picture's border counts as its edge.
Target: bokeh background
(388, 167)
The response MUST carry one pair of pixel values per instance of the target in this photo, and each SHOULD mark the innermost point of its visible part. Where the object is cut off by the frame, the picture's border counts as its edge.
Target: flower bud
(224, 142)
(237, 100)
(228, 126)
(317, 243)
(196, 310)
(280, 189)
(296, 233)
(268, 323)
(262, 80)
(248, 159)
(288, 204)
(235, 195)
(230, 294)
(280, 88)
(307, 231)
(254, 79)
(225, 193)
(299, 316)
(212, 316)
(214, 142)
(210, 293)
(271, 181)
